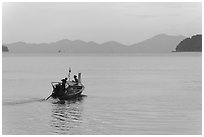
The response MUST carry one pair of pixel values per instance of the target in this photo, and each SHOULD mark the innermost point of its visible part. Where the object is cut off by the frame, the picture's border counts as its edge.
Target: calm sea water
(138, 94)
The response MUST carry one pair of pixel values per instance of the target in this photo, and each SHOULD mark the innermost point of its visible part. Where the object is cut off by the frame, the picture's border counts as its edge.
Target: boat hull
(71, 92)
(67, 97)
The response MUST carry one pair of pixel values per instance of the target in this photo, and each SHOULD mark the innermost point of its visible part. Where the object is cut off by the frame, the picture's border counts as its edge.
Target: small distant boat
(68, 90)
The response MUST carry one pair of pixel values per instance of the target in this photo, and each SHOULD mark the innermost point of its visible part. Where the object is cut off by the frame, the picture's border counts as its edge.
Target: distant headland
(193, 44)
(5, 49)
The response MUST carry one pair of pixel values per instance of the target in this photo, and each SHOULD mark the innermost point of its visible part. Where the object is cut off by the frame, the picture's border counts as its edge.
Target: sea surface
(142, 94)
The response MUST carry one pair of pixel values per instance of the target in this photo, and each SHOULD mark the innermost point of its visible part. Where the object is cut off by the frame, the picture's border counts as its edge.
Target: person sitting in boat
(63, 83)
(75, 79)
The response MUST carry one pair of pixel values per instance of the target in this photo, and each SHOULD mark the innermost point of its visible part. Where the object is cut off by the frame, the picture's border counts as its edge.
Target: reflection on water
(66, 117)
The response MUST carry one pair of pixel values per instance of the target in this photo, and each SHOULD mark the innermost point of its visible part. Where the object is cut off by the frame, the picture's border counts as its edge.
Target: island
(5, 49)
(193, 44)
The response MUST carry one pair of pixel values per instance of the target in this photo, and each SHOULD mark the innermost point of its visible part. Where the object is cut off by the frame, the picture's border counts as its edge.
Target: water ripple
(65, 117)
(20, 102)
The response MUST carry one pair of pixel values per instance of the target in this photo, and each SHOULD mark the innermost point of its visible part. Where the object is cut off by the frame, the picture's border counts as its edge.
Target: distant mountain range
(158, 44)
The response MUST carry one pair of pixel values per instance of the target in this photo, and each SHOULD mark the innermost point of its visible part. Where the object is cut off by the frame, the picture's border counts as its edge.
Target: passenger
(63, 84)
(65, 80)
(75, 79)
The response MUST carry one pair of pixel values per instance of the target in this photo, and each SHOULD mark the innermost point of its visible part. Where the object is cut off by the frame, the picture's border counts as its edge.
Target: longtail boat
(66, 90)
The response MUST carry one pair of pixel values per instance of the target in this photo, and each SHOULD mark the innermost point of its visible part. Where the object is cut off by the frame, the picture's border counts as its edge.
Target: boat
(67, 90)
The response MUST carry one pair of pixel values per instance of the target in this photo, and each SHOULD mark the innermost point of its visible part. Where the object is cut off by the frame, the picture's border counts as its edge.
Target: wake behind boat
(67, 89)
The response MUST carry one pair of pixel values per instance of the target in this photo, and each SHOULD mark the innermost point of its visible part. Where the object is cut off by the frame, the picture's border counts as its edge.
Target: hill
(193, 44)
(160, 44)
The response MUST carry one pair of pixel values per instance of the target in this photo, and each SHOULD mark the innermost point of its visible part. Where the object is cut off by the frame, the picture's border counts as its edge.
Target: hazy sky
(127, 23)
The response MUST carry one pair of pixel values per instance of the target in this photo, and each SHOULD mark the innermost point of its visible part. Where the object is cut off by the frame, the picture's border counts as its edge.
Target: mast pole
(69, 73)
